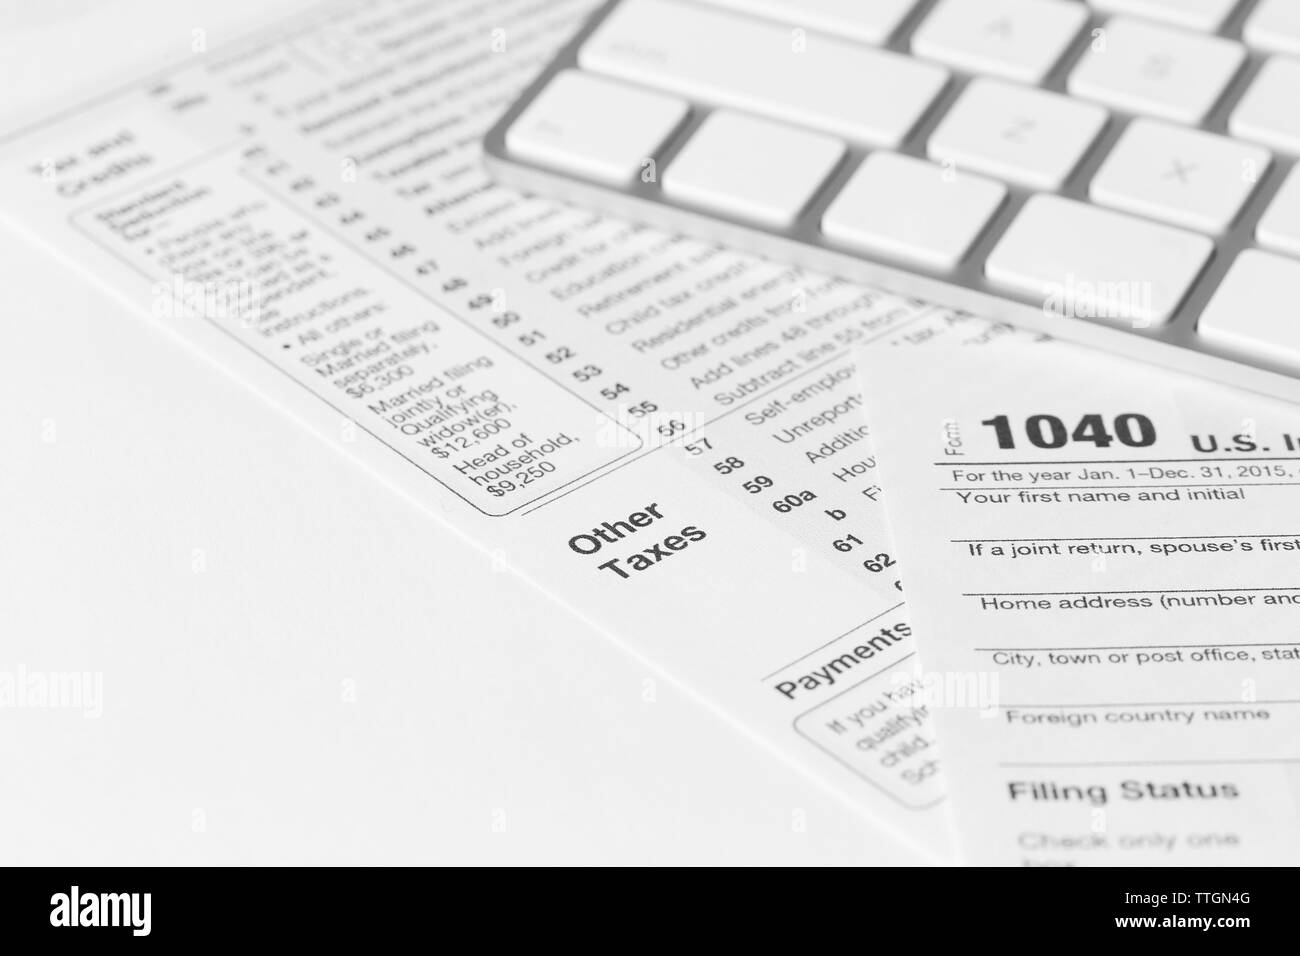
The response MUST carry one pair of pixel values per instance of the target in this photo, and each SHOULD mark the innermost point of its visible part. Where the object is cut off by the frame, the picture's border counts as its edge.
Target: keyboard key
(1017, 39)
(872, 96)
(1275, 26)
(907, 209)
(872, 22)
(1269, 113)
(1253, 309)
(1160, 71)
(1087, 262)
(1027, 136)
(1183, 176)
(1207, 15)
(751, 168)
(1279, 228)
(595, 127)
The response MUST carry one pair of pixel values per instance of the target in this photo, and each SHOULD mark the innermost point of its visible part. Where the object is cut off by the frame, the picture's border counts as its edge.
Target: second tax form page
(662, 434)
(1108, 625)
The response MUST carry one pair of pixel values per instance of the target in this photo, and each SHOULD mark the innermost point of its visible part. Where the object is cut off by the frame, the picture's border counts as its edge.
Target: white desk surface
(489, 725)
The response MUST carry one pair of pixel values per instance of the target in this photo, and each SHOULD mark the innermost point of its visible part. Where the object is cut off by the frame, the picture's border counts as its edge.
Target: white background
(489, 726)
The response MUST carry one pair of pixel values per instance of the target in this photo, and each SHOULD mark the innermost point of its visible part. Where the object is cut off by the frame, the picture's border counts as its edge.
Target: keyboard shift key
(911, 210)
(1206, 15)
(1268, 112)
(1274, 25)
(1156, 70)
(1253, 310)
(1017, 39)
(1017, 133)
(751, 168)
(726, 59)
(1086, 262)
(595, 127)
(1181, 176)
(1279, 228)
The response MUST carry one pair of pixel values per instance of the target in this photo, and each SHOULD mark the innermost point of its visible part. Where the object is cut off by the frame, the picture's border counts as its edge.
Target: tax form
(1108, 614)
(663, 435)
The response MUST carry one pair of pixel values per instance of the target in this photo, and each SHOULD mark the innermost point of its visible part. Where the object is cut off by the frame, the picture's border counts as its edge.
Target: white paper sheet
(1108, 614)
(663, 434)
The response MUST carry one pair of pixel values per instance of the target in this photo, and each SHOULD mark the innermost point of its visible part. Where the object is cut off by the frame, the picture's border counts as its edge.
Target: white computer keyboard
(1117, 172)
